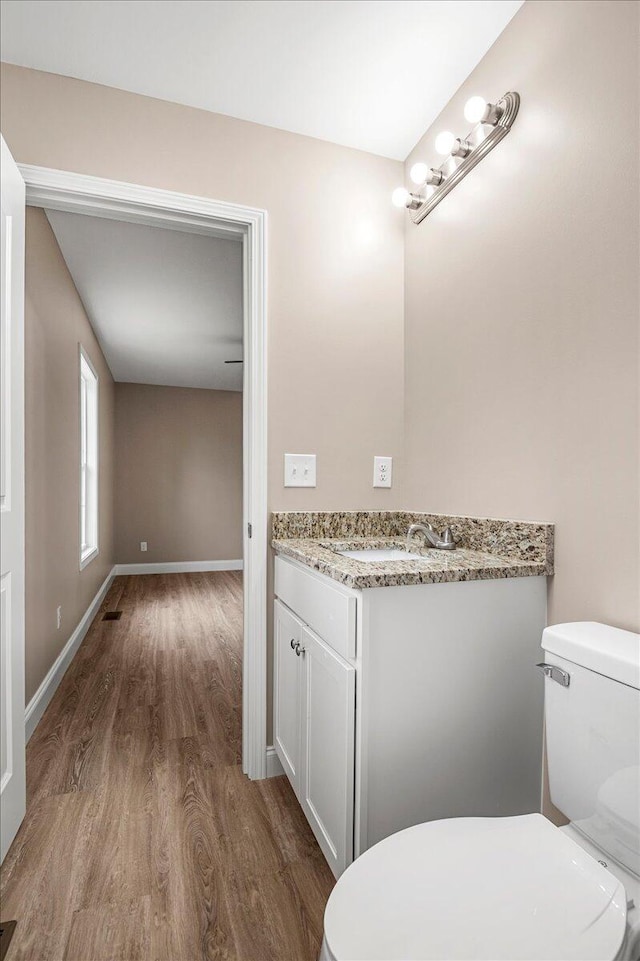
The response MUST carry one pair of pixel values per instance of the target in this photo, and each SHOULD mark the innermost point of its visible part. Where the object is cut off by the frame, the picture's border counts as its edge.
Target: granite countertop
(488, 548)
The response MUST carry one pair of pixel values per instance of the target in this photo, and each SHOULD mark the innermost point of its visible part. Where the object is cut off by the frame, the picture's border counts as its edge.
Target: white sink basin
(379, 556)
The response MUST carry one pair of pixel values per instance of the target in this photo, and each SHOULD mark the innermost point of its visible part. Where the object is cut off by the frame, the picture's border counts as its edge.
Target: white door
(287, 692)
(12, 754)
(328, 749)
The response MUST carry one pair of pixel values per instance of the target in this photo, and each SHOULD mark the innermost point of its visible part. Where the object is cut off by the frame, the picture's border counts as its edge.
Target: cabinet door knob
(299, 650)
(293, 643)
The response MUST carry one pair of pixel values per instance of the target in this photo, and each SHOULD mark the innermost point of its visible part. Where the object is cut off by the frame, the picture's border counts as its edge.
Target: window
(88, 461)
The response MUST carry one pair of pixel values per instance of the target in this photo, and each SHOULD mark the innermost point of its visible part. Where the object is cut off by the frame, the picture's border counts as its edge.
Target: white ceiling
(371, 74)
(165, 305)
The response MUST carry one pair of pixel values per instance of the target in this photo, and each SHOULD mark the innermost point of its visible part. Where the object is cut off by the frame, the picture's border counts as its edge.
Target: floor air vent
(112, 616)
(6, 933)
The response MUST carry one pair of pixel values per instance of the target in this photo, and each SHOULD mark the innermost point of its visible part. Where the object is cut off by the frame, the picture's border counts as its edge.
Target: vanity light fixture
(492, 122)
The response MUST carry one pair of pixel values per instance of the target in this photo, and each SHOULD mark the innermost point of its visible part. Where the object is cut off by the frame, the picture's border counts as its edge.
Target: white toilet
(519, 887)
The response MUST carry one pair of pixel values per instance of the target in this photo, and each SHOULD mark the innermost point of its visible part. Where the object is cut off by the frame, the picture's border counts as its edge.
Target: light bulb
(400, 196)
(418, 173)
(444, 142)
(474, 109)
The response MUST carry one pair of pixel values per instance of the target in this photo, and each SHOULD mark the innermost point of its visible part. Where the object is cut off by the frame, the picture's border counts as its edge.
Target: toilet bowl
(479, 888)
(517, 888)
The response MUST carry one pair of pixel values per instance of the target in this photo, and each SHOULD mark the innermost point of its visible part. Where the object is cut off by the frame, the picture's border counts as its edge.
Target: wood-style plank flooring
(143, 839)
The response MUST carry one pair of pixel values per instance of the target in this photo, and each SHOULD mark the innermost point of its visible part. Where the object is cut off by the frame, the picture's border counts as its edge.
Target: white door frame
(62, 190)
(12, 574)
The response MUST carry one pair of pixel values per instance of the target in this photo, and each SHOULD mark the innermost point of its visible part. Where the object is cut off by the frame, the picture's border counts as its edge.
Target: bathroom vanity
(406, 690)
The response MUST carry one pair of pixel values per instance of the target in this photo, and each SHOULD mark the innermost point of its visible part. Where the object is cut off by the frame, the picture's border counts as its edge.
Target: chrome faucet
(441, 542)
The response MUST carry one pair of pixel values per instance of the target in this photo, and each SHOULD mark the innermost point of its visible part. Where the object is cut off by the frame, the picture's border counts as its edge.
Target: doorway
(111, 200)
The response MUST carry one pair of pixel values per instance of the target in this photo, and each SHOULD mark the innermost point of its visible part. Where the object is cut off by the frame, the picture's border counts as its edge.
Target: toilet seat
(476, 888)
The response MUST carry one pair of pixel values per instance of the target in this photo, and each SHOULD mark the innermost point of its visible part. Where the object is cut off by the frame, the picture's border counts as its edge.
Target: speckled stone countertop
(487, 548)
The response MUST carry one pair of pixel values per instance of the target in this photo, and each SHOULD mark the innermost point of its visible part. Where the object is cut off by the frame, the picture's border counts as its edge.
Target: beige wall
(178, 474)
(335, 248)
(55, 324)
(522, 307)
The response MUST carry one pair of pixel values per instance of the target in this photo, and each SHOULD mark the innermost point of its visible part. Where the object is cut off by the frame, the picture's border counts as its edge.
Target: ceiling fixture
(492, 122)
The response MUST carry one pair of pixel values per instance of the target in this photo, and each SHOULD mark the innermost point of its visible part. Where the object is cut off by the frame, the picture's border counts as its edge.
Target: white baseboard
(178, 567)
(274, 767)
(38, 703)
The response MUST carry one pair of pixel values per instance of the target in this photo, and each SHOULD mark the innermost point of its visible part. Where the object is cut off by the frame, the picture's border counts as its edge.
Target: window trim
(87, 374)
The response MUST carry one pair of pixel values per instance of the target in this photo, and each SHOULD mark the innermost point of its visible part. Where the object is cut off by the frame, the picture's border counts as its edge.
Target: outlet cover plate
(299, 470)
(382, 471)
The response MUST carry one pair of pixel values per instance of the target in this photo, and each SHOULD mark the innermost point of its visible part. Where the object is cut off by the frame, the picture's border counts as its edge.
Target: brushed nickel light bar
(492, 122)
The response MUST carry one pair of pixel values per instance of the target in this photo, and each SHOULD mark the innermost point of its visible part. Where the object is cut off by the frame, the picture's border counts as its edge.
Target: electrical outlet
(58, 618)
(143, 545)
(299, 470)
(382, 471)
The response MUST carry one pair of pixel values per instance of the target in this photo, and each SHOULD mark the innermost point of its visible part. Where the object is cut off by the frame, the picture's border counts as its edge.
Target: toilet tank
(593, 734)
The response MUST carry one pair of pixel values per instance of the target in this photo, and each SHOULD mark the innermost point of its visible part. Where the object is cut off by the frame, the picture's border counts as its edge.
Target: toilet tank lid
(598, 647)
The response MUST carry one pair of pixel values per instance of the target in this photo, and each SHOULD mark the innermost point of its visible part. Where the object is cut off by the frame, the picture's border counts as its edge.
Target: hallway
(143, 839)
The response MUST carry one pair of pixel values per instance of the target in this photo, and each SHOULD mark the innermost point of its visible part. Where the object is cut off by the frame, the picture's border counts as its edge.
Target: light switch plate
(382, 471)
(299, 470)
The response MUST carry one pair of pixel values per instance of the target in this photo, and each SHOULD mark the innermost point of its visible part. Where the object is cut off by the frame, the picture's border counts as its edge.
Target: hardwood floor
(143, 839)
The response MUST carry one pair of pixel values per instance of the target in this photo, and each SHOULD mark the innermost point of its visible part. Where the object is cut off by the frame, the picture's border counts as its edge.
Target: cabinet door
(287, 693)
(328, 749)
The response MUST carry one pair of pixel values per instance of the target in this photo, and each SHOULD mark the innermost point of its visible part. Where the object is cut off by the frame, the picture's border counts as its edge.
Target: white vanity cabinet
(395, 705)
(314, 705)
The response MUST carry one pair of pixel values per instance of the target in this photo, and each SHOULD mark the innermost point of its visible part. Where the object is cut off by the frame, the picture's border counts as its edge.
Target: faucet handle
(447, 537)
